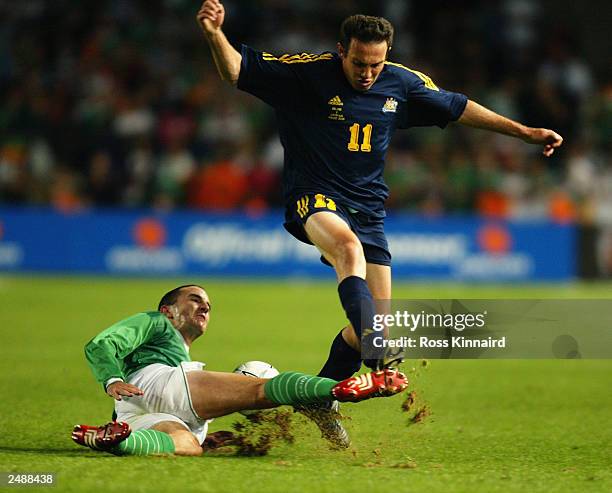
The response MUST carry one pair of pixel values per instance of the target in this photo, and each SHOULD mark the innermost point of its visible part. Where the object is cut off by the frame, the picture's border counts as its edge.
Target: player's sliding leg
(297, 388)
(215, 394)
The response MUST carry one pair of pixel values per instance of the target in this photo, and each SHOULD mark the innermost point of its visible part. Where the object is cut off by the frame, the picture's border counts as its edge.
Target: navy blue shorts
(369, 230)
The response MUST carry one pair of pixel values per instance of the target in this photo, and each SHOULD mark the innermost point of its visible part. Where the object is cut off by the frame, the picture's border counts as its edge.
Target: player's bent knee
(185, 443)
(260, 394)
(350, 252)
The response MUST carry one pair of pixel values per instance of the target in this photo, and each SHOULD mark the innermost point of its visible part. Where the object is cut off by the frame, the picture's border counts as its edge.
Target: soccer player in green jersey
(164, 401)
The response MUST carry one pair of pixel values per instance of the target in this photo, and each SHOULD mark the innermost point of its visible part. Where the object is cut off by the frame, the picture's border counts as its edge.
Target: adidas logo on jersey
(335, 101)
(390, 106)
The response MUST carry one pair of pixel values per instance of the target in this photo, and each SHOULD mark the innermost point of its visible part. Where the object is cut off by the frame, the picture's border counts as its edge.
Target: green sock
(291, 387)
(146, 442)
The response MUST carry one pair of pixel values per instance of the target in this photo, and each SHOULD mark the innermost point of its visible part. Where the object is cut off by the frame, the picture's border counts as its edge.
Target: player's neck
(188, 336)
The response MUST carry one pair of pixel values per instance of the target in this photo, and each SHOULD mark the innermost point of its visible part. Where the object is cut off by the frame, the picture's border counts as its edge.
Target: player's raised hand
(118, 389)
(211, 16)
(549, 138)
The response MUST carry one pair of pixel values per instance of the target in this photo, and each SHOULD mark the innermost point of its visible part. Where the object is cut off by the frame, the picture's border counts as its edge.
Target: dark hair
(367, 29)
(171, 296)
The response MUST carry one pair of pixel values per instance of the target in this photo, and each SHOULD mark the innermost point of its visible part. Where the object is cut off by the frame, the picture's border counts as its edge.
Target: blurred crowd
(117, 103)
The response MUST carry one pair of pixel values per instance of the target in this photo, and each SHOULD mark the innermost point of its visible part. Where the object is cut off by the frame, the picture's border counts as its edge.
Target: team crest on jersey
(390, 106)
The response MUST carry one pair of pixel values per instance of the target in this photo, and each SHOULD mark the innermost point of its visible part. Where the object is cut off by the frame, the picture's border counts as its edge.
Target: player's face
(191, 312)
(362, 63)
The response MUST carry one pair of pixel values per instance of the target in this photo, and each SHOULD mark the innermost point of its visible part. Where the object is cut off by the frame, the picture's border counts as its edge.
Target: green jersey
(134, 343)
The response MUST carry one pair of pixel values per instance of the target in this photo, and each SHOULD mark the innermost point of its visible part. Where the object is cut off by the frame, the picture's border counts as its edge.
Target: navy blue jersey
(336, 138)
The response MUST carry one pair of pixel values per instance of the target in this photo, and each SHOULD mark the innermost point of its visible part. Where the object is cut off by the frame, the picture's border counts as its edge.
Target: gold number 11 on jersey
(353, 144)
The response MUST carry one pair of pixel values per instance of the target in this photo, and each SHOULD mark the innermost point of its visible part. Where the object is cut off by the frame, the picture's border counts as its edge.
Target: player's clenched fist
(210, 16)
(549, 138)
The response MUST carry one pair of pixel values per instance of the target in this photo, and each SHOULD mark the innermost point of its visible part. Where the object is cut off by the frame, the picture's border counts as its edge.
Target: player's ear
(166, 311)
(340, 49)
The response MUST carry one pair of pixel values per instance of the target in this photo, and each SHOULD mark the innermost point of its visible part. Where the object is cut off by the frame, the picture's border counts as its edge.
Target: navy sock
(356, 300)
(359, 306)
(342, 362)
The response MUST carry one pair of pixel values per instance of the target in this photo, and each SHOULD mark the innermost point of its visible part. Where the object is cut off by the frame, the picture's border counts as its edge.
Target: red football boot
(103, 437)
(381, 383)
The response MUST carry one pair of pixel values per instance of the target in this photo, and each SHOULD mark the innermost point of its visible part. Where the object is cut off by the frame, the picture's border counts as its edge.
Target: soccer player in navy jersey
(336, 115)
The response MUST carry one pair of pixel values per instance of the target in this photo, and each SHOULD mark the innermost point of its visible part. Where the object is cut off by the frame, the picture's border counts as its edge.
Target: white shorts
(166, 398)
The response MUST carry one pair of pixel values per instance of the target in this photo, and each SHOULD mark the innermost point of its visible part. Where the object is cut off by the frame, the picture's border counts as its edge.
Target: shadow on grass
(91, 454)
(66, 452)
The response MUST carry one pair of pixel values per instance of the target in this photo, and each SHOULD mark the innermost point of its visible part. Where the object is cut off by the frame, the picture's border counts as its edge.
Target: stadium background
(111, 113)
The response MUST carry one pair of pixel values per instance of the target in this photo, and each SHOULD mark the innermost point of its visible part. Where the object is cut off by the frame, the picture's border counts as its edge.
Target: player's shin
(359, 306)
(342, 361)
(297, 388)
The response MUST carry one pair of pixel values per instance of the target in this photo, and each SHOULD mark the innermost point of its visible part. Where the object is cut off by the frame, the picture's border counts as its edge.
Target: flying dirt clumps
(262, 431)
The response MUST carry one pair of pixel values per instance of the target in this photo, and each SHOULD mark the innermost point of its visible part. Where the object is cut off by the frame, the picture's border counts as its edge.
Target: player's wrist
(111, 381)
(213, 35)
(524, 132)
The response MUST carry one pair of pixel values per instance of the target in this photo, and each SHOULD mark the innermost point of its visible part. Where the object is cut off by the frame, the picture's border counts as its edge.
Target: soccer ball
(258, 369)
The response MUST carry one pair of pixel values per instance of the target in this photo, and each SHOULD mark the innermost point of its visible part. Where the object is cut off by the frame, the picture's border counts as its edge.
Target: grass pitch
(492, 425)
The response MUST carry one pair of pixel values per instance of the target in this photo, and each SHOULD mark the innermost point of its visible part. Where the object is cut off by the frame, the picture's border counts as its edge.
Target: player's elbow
(97, 349)
(92, 352)
(231, 74)
(88, 349)
(230, 79)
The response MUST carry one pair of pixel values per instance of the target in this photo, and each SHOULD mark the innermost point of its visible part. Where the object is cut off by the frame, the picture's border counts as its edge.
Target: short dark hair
(367, 29)
(171, 296)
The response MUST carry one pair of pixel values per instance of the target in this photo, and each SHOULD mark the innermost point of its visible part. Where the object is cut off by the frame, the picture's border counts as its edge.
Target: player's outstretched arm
(210, 17)
(478, 116)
